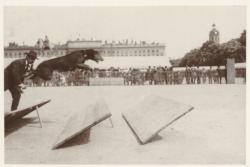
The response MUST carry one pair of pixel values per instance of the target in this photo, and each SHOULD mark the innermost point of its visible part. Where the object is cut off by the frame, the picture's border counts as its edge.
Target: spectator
(199, 75)
(148, 75)
(216, 76)
(219, 71)
(193, 75)
(188, 75)
(203, 75)
(210, 75)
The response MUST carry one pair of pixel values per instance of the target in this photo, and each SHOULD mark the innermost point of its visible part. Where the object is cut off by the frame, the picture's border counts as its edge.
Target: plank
(151, 115)
(19, 113)
(82, 121)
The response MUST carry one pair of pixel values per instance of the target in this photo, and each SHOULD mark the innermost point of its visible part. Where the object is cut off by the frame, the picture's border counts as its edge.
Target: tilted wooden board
(147, 118)
(19, 113)
(82, 121)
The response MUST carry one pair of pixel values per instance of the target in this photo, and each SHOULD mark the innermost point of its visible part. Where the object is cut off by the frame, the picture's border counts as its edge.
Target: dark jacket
(14, 74)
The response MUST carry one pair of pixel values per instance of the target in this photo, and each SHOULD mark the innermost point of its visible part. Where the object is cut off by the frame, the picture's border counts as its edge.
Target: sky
(180, 28)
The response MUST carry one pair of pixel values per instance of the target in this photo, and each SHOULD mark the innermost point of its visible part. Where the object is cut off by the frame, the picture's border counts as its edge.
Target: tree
(242, 38)
(210, 53)
(190, 58)
(233, 49)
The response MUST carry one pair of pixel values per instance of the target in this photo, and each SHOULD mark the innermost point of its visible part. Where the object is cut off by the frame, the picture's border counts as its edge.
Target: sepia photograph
(125, 85)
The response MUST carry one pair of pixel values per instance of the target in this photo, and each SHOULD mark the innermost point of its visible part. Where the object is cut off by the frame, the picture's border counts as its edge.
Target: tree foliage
(210, 53)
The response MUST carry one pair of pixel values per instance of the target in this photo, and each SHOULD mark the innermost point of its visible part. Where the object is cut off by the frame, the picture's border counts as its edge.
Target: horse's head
(92, 54)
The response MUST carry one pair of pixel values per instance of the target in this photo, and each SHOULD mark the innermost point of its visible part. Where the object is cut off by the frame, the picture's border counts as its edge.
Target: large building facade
(115, 54)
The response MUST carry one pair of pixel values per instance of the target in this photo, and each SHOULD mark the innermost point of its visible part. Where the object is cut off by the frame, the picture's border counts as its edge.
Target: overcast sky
(179, 28)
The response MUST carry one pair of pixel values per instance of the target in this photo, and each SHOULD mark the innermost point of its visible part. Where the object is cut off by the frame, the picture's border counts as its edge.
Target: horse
(69, 62)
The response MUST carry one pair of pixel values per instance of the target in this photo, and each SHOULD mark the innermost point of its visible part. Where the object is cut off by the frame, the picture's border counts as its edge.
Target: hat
(31, 54)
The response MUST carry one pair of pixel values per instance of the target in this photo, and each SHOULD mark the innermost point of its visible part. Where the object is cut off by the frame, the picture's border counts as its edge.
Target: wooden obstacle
(83, 121)
(148, 117)
(19, 113)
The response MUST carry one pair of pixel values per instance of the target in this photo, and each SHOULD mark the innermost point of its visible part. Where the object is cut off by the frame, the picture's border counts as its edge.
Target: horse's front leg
(83, 67)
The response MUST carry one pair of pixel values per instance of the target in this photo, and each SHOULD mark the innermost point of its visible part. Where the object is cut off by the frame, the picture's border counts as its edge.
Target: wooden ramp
(18, 114)
(147, 118)
(83, 121)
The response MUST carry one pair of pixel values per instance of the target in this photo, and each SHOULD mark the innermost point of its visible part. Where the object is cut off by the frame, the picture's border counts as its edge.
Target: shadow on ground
(13, 126)
(153, 139)
(80, 139)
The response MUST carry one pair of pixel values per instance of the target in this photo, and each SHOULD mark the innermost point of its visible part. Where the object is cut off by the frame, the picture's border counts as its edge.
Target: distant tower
(214, 35)
(46, 44)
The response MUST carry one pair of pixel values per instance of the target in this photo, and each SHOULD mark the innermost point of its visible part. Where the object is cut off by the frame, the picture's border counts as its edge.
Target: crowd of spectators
(150, 76)
(169, 76)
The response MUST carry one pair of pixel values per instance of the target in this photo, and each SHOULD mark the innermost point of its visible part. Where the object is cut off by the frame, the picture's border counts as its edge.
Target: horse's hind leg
(45, 73)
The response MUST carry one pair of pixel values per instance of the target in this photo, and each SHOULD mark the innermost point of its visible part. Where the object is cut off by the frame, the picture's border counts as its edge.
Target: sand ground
(212, 133)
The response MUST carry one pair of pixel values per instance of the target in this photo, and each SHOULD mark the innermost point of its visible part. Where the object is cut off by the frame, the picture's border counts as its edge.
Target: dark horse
(69, 62)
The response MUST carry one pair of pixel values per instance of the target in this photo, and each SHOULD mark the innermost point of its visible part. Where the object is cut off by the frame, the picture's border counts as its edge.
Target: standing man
(219, 74)
(187, 74)
(14, 75)
(203, 74)
(147, 76)
(166, 75)
(153, 73)
(193, 75)
(210, 75)
(199, 75)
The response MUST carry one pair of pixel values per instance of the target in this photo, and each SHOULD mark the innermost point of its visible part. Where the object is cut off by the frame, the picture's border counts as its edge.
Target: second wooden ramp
(83, 121)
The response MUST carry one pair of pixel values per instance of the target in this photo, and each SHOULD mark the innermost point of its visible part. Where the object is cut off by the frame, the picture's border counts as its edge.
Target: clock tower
(214, 35)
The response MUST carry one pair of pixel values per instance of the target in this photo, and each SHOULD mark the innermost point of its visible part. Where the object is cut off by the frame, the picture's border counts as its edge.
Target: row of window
(114, 55)
(106, 53)
(41, 54)
(136, 51)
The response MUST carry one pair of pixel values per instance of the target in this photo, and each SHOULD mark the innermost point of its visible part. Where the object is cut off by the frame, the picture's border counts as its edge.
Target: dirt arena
(212, 133)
